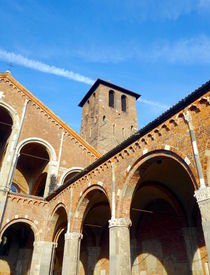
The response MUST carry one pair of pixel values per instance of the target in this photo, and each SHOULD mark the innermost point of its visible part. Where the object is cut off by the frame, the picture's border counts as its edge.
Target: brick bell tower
(108, 115)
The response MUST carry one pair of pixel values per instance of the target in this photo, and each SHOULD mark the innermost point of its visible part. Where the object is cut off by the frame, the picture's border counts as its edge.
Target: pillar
(42, 258)
(52, 172)
(203, 198)
(119, 246)
(71, 253)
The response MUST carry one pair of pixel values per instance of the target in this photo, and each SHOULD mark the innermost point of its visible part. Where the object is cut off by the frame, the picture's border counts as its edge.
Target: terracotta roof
(49, 112)
(108, 84)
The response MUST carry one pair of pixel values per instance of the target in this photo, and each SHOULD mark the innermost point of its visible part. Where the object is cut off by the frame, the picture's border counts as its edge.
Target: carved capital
(73, 236)
(202, 194)
(121, 222)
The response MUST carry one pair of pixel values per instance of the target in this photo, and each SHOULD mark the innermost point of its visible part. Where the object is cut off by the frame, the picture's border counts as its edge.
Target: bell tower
(108, 115)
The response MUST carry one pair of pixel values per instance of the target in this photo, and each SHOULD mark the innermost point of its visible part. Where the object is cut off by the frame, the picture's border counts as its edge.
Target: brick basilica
(113, 200)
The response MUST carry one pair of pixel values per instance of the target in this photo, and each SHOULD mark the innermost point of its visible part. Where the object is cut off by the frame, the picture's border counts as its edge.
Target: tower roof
(108, 84)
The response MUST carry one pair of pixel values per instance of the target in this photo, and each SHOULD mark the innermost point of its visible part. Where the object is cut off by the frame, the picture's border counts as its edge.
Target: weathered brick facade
(104, 126)
(142, 208)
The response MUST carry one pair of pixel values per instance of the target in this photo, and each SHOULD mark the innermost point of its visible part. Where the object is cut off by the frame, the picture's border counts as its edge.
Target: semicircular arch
(21, 220)
(81, 208)
(46, 144)
(68, 172)
(12, 113)
(133, 176)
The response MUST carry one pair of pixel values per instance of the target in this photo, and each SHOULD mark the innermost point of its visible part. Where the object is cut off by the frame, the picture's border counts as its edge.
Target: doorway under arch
(16, 249)
(166, 238)
(31, 169)
(94, 253)
(59, 224)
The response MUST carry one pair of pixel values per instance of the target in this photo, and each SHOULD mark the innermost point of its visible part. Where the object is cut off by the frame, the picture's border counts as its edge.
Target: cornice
(69, 130)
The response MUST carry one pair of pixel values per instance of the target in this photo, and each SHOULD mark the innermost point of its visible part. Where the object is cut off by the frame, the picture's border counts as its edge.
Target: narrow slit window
(111, 98)
(113, 129)
(123, 103)
(123, 132)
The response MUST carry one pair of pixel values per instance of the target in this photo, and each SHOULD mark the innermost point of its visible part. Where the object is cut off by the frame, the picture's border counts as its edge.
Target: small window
(113, 129)
(123, 103)
(123, 132)
(14, 188)
(111, 98)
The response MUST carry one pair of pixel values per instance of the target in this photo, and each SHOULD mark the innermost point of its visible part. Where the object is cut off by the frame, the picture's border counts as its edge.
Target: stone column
(203, 198)
(119, 246)
(42, 258)
(192, 250)
(52, 172)
(71, 253)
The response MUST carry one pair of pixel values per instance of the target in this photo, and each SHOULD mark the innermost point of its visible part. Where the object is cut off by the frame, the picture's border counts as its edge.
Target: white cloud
(42, 67)
(193, 50)
(154, 104)
(188, 51)
(154, 9)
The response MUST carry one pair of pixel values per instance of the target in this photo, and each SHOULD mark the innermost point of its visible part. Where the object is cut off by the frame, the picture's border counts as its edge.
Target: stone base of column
(42, 258)
(203, 198)
(119, 246)
(71, 253)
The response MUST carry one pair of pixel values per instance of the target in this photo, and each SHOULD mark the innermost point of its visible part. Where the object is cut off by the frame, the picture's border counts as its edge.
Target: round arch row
(166, 234)
(34, 162)
(166, 224)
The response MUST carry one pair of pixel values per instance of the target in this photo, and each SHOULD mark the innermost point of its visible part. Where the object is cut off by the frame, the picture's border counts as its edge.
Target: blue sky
(160, 49)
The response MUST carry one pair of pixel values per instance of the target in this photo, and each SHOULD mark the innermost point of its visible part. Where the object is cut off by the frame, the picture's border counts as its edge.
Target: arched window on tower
(123, 103)
(111, 98)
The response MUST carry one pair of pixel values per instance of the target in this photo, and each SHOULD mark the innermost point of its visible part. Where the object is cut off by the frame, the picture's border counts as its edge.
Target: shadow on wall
(94, 253)
(16, 249)
(166, 232)
(31, 170)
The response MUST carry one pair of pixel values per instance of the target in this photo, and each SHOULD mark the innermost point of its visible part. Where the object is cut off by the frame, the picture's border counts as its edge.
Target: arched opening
(16, 249)
(6, 124)
(111, 98)
(59, 223)
(39, 187)
(31, 170)
(166, 232)
(123, 103)
(94, 253)
(71, 174)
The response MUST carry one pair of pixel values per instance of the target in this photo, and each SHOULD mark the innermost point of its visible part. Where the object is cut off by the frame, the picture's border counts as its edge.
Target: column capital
(202, 194)
(120, 222)
(41, 243)
(73, 236)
